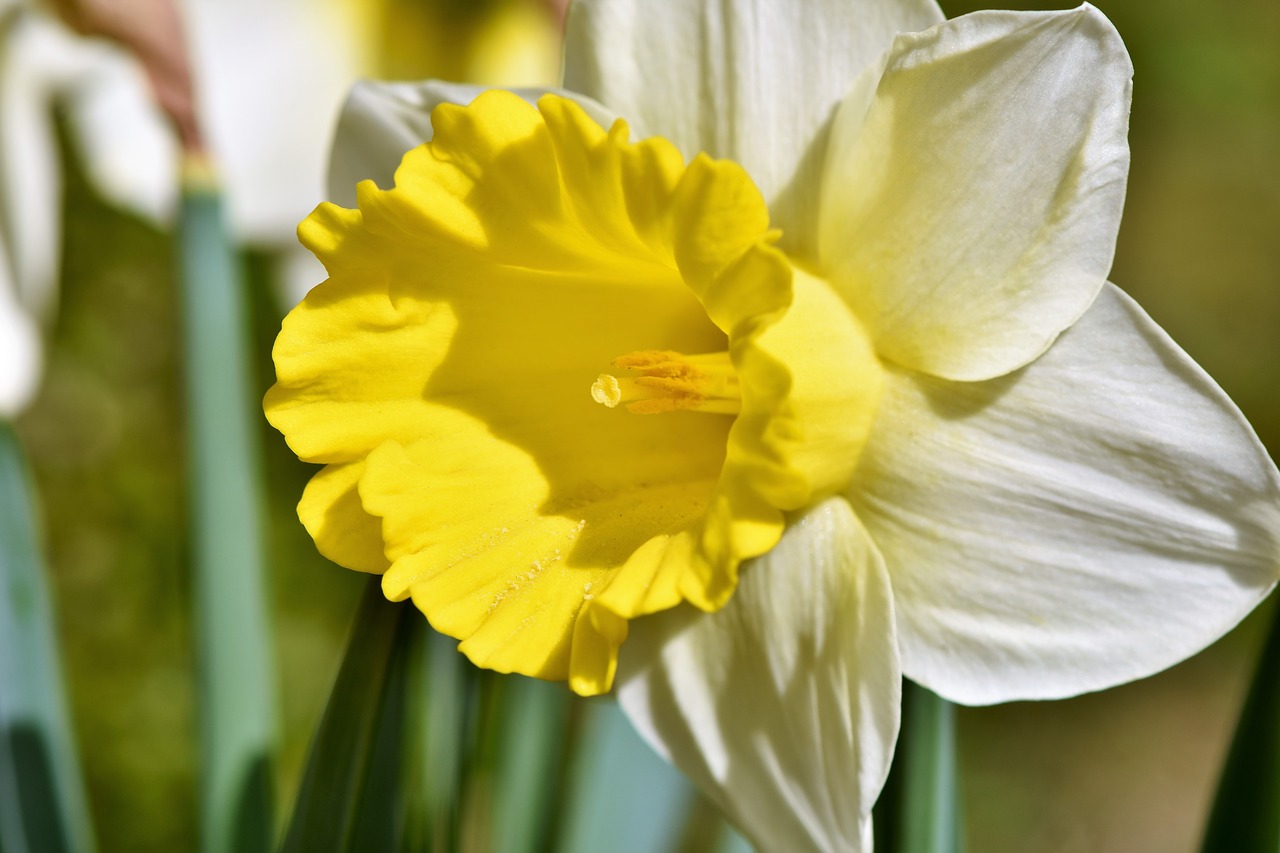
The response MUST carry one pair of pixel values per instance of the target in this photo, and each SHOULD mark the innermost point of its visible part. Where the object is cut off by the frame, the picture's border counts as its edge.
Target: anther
(671, 382)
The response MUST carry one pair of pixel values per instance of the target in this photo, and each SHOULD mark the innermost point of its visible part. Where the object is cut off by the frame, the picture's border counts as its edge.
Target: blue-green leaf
(532, 741)
(731, 842)
(42, 800)
(237, 703)
(436, 740)
(623, 797)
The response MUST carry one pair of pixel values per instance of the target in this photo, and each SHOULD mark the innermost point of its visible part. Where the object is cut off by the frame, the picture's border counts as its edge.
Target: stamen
(671, 382)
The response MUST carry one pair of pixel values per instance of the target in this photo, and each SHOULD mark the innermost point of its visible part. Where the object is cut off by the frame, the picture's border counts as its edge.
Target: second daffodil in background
(779, 340)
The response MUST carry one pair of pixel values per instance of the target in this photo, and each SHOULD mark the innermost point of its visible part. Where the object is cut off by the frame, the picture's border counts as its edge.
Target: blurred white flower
(20, 356)
(270, 77)
(120, 136)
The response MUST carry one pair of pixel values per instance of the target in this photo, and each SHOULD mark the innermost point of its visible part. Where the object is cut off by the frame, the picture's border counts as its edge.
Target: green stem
(237, 703)
(352, 796)
(1246, 809)
(920, 808)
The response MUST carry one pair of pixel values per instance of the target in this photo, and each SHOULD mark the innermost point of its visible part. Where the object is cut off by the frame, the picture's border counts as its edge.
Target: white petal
(123, 140)
(124, 144)
(37, 58)
(381, 121)
(970, 208)
(782, 706)
(20, 348)
(750, 80)
(1094, 518)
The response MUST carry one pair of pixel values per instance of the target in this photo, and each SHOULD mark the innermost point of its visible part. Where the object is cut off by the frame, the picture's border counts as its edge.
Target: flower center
(667, 381)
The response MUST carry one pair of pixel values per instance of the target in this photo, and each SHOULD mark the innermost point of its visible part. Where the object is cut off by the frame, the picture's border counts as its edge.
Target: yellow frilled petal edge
(443, 374)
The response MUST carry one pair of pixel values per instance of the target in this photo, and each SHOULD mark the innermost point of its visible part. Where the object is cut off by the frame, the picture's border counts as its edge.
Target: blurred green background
(1129, 770)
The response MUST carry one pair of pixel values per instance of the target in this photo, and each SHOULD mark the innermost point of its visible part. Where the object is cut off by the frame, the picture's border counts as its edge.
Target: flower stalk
(236, 697)
(1246, 809)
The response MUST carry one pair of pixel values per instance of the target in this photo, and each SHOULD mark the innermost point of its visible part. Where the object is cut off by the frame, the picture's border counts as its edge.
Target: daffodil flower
(779, 346)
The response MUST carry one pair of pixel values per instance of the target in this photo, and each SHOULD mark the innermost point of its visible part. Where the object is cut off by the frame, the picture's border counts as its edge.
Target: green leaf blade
(623, 797)
(920, 809)
(533, 738)
(237, 703)
(1246, 811)
(43, 806)
(350, 797)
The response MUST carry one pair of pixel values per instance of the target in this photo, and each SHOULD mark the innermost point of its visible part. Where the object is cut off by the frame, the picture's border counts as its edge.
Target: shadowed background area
(1130, 770)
